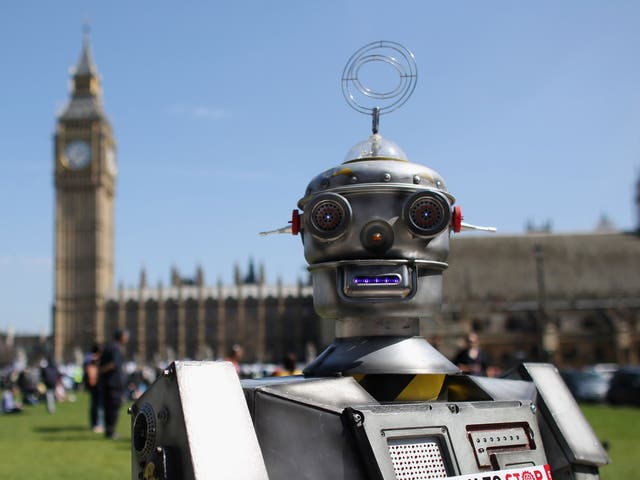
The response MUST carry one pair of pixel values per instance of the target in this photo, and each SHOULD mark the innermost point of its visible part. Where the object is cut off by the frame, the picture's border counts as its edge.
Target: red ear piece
(295, 222)
(456, 222)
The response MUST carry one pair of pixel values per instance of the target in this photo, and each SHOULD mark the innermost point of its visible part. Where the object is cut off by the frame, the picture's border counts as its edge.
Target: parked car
(605, 369)
(586, 386)
(625, 387)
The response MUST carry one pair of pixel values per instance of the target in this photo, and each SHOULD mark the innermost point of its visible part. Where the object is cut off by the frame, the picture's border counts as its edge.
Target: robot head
(376, 232)
(376, 228)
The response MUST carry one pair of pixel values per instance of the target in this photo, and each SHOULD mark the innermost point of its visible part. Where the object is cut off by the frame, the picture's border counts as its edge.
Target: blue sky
(223, 111)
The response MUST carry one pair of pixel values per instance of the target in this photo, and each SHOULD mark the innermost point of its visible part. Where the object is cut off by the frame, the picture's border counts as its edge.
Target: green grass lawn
(619, 427)
(35, 445)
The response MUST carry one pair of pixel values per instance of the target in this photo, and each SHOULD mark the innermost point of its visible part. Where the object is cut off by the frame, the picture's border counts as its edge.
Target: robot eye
(330, 216)
(427, 213)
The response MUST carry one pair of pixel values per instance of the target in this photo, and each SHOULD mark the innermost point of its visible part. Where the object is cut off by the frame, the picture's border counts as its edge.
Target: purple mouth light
(376, 280)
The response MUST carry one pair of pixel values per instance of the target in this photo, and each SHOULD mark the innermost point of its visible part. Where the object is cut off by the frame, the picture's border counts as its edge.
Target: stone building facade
(189, 319)
(573, 299)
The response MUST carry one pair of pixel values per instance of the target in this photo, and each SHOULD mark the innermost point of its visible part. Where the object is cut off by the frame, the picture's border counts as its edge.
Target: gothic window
(478, 324)
(151, 313)
(211, 324)
(520, 323)
(191, 324)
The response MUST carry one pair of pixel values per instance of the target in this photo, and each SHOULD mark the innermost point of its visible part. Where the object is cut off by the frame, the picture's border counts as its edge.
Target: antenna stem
(375, 119)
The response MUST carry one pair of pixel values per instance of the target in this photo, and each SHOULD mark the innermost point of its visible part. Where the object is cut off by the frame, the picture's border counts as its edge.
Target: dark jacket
(50, 375)
(112, 379)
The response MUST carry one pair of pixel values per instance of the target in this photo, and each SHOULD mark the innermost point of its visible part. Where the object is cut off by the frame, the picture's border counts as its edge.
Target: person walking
(472, 359)
(111, 381)
(235, 357)
(289, 366)
(50, 377)
(91, 377)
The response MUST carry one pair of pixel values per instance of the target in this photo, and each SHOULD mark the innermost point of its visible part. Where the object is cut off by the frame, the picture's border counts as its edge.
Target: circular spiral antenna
(365, 99)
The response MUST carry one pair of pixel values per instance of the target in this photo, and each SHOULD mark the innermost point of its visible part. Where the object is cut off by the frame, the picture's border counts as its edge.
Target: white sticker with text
(540, 472)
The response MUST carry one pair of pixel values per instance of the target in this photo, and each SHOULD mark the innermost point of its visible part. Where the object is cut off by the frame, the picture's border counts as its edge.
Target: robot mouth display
(377, 280)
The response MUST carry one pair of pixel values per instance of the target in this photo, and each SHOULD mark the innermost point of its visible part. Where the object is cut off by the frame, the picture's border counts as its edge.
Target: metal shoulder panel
(564, 416)
(333, 394)
(219, 429)
(504, 389)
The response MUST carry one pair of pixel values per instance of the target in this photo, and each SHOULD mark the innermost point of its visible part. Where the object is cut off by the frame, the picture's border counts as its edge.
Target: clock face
(110, 160)
(77, 154)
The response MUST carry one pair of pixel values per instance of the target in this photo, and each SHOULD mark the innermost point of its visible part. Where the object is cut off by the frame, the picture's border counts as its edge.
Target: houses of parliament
(570, 298)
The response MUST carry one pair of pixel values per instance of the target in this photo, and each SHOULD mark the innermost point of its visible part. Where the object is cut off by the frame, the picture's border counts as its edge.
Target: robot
(380, 402)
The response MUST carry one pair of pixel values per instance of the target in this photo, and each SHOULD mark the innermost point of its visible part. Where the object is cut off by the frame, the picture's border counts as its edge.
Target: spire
(143, 278)
(638, 203)
(85, 65)
(175, 277)
(86, 93)
(199, 276)
(237, 276)
(250, 279)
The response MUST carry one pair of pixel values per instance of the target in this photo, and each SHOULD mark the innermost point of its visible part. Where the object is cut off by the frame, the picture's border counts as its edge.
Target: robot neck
(377, 327)
(392, 347)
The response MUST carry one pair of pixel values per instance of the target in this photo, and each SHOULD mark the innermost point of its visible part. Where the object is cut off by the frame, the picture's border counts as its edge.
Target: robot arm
(571, 446)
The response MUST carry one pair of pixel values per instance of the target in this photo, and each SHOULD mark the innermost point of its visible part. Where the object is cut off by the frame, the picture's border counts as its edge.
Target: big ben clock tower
(85, 175)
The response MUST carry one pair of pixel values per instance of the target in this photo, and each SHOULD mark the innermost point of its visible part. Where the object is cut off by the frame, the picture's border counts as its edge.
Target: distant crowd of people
(108, 383)
(102, 375)
(107, 379)
(32, 386)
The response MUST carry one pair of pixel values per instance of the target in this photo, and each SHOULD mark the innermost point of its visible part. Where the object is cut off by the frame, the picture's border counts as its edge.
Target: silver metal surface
(578, 441)
(506, 389)
(468, 226)
(332, 394)
(418, 295)
(417, 458)
(497, 438)
(401, 327)
(206, 423)
(380, 355)
(369, 177)
(451, 426)
(300, 429)
(373, 232)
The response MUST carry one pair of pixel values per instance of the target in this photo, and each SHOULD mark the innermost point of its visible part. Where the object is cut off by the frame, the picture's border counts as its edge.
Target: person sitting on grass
(9, 404)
